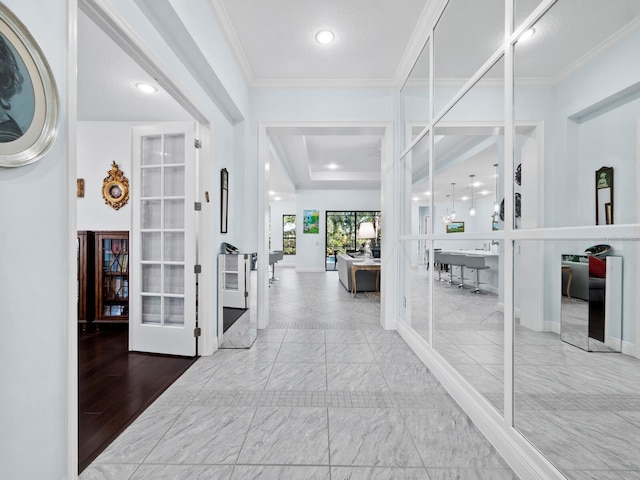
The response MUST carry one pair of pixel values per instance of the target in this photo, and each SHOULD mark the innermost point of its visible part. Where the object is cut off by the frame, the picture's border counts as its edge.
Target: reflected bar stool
(476, 262)
(437, 258)
(458, 260)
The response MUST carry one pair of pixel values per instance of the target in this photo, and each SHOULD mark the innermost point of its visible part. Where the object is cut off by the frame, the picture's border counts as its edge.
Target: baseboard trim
(522, 457)
(629, 348)
(552, 327)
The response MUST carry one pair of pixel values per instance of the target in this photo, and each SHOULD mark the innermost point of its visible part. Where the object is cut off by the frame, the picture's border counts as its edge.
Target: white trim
(419, 38)
(525, 460)
(630, 349)
(303, 83)
(595, 51)
(72, 232)
(310, 270)
(551, 326)
(636, 351)
(232, 39)
(263, 223)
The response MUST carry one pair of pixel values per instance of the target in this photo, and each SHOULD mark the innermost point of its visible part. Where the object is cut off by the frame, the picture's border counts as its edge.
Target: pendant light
(472, 210)
(453, 201)
(496, 205)
(446, 218)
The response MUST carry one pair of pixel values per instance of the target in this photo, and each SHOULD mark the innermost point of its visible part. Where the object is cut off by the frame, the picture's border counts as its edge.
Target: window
(342, 232)
(289, 234)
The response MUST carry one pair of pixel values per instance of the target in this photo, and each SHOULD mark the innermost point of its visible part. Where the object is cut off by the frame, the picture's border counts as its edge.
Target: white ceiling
(274, 40)
(274, 43)
(107, 79)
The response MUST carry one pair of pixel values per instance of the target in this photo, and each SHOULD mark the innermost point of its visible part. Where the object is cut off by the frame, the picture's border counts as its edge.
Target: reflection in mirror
(522, 9)
(580, 408)
(604, 196)
(414, 97)
(468, 316)
(467, 298)
(417, 188)
(469, 141)
(417, 222)
(573, 78)
(586, 319)
(462, 44)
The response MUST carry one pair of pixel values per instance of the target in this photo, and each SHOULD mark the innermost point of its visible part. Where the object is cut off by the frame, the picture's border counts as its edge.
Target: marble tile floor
(324, 393)
(580, 409)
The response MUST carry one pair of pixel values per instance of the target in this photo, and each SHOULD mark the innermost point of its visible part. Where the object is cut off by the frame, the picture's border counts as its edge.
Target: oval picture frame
(29, 116)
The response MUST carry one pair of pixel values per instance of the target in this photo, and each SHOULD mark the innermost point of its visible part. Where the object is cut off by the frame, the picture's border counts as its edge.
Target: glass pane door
(165, 228)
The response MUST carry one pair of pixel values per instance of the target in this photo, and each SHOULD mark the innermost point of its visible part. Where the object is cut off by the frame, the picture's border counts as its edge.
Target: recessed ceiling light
(325, 36)
(527, 35)
(277, 199)
(427, 193)
(415, 199)
(146, 88)
(484, 192)
(332, 166)
(271, 192)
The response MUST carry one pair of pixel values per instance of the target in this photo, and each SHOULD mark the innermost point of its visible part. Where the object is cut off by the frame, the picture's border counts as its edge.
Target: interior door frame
(110, 21)
(388, 254)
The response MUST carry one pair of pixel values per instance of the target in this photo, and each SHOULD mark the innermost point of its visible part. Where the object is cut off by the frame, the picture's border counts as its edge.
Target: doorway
(115, 384)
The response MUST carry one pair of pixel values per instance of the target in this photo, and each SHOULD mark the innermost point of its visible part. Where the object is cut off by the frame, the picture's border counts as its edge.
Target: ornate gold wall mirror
(115, 188)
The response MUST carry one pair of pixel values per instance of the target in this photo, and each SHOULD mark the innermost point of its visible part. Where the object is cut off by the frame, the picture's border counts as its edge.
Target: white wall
(310, 248)
(35, 300)
(99, 144)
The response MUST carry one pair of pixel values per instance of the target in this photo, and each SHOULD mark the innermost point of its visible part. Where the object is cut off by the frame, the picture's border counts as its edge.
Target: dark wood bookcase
(86, 277)
(112, 277)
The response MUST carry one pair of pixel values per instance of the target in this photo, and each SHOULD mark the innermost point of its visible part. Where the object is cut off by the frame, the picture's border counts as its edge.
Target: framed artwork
(311, 221)
(115, 188)
(224, 200)
(28, 97)
(455, 227)
(604, 196)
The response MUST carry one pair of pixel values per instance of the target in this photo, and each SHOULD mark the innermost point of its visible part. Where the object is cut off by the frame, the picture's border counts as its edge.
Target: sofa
(366, 280)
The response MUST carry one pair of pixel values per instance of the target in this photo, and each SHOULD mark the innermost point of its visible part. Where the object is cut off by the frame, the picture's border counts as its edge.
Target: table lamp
(367, 232)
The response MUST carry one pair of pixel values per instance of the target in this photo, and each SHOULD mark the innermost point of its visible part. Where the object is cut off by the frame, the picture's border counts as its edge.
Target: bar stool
(476, 262)
(458, 260)
(437, 258)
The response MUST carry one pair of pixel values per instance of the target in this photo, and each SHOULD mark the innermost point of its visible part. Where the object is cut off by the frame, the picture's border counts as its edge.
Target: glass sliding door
(342, 233)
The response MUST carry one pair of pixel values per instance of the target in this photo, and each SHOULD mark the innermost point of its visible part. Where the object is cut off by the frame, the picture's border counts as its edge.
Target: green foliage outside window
(289, 234)
(342, 230)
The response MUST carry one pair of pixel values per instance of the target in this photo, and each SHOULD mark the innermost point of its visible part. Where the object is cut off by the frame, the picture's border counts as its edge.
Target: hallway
(324, 393)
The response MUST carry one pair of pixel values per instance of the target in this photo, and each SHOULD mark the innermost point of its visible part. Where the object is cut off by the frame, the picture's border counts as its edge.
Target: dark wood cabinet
(112, 277)
(85, 248)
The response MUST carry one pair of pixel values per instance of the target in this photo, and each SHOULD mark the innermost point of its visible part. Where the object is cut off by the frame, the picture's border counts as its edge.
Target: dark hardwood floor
(116, 386)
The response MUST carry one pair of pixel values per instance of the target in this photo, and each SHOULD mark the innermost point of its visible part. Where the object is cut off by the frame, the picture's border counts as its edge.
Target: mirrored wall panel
(420, 296)
(468, 325)
(577, 104)
(415, 98)
(418, 218)
(522, 9)
(469, 153)
(576, 383)
(462, 44)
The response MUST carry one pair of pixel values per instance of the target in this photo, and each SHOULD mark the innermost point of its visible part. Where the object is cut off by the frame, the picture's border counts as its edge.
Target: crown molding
(604, 45)
(418, 40)
(322, 83)
(229, 32)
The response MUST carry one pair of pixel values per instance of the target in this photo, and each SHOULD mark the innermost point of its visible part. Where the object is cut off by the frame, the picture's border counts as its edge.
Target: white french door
(163, 240)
